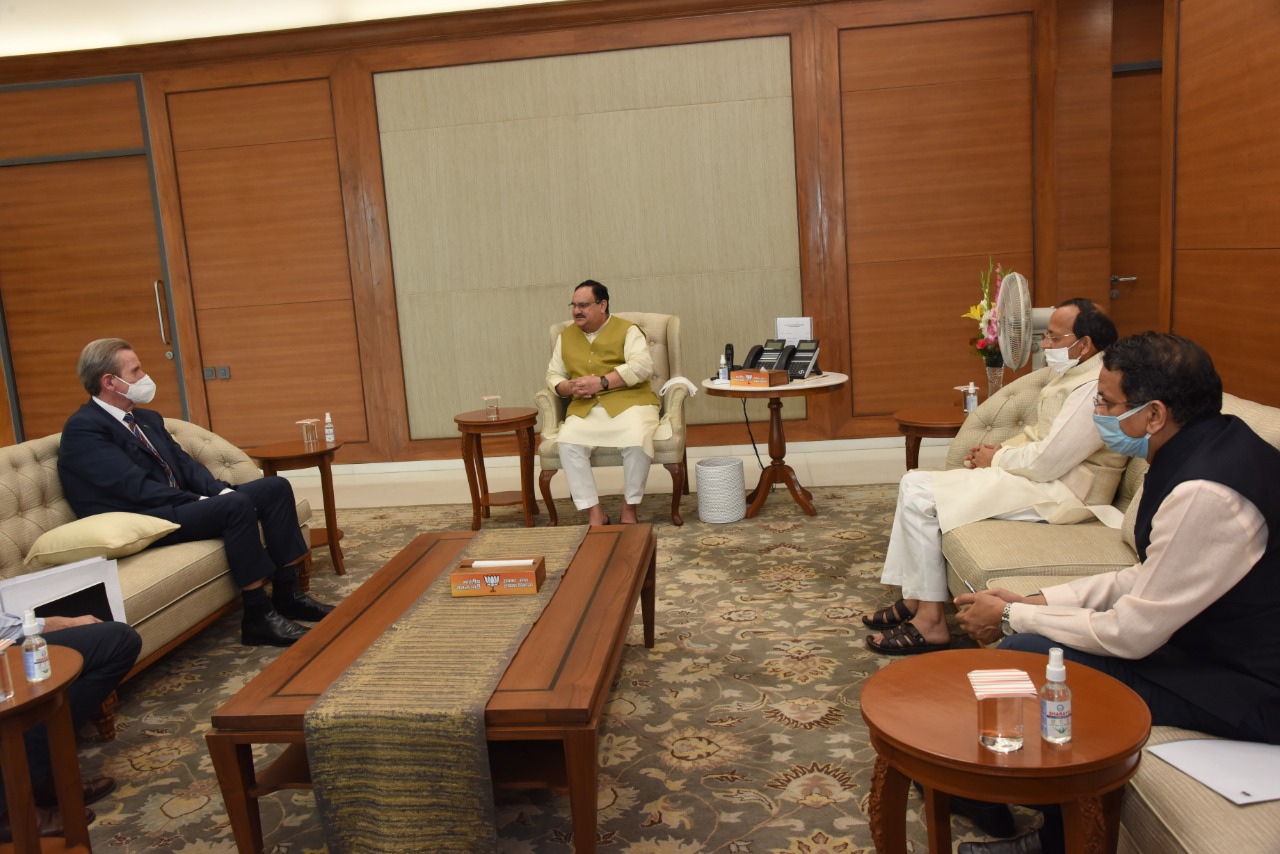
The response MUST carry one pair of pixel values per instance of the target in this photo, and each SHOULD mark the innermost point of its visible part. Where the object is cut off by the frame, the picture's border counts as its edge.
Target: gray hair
(98, 358)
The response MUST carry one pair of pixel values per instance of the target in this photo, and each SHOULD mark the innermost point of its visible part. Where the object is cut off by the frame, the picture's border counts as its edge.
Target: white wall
(46, 26)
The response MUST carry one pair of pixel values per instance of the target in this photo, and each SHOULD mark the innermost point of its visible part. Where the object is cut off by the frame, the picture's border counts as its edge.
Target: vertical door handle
(158, 285)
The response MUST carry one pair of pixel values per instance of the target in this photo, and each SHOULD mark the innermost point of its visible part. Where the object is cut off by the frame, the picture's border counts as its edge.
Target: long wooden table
(552, 691)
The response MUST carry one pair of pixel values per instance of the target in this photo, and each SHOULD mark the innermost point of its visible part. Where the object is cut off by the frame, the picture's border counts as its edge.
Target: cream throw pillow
(107, 534)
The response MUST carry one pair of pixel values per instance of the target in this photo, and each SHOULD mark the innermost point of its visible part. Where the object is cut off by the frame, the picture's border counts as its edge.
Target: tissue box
(511, 576)
(759, 378)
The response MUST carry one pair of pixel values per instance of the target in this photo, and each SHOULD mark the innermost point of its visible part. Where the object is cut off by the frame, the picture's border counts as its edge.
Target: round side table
(927, 422)
(923, 721)
(304, 455)
(474, 426)
(33, 704)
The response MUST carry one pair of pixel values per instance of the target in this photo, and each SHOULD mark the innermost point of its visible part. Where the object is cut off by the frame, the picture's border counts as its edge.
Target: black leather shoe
(93, 790)
(270, 629)
(991, 819)
(1029, 844)
(48, 823)
(300, 606)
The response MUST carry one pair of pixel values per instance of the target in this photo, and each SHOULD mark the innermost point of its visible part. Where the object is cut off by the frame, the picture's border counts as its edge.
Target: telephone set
(774, 355)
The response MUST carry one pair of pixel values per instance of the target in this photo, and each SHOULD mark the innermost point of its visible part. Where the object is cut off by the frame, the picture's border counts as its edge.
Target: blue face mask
(1116, 439)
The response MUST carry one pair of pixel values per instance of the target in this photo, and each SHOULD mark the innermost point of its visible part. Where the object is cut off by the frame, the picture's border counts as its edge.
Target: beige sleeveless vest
(597, 358)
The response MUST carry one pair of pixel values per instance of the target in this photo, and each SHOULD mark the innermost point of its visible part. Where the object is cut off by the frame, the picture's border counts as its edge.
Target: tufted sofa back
(31, 501)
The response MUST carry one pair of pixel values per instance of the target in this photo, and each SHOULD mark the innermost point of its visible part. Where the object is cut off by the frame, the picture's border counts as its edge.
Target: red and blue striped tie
(137, 431)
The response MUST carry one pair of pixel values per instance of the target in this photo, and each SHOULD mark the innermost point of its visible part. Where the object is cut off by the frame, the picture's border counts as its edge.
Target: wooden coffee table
(923, 722)
(553, 690)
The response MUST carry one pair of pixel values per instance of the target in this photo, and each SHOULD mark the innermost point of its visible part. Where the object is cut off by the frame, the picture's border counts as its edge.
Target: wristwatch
(1004, 620)
(604, 383)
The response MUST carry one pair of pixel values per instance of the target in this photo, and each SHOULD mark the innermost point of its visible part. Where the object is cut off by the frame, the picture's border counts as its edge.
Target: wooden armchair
(663, 334)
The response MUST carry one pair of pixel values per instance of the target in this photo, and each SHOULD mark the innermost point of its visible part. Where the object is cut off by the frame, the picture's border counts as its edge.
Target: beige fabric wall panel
(666, 173)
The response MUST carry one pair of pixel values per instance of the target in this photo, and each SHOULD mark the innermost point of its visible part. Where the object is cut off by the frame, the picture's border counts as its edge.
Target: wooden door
(1135, 165)
(79, 248)
(79, 261)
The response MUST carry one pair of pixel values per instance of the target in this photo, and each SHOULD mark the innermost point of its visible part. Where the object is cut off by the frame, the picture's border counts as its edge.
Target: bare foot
(595, 515)
(629, 513)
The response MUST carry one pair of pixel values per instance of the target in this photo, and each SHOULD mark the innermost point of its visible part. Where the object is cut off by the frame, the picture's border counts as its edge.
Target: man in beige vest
(1051, 472)
(603, 364)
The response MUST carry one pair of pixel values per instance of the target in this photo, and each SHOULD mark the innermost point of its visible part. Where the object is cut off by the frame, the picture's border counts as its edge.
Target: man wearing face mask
(1051, 472)
(116, 456)
(1192, 628)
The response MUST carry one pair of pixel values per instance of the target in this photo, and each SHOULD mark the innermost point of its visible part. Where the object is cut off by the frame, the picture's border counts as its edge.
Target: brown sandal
(889, 618)
(904, 640)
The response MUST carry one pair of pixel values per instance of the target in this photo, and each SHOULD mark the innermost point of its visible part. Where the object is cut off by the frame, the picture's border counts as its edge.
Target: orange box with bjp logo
(508, 576)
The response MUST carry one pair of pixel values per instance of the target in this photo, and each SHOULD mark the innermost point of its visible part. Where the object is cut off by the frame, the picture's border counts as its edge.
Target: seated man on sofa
(1051, 472)
(603, 363)
(116, 456)
(109, 650)
(1194, 628)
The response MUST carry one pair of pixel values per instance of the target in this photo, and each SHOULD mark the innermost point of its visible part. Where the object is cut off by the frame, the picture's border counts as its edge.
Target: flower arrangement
(987, 342)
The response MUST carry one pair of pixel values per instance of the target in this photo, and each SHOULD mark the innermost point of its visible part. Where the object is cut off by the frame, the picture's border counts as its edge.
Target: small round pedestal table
(474, 426)
(927, 422)
(33, 704)
(778, 471)
(923, 721)
(304, 455)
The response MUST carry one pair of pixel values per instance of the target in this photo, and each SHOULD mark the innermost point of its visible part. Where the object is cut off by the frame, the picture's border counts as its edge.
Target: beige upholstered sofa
(1165, 811)
(170, 593)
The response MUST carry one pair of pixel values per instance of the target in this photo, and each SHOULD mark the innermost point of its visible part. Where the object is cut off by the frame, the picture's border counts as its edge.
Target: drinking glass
(1000, 723)
(491, 402)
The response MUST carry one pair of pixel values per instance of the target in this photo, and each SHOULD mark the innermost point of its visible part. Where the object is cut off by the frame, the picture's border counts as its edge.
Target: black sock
(284, 583)
(255, 601)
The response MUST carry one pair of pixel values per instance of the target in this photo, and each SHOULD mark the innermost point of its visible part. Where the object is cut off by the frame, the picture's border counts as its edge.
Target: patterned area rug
(739, 732)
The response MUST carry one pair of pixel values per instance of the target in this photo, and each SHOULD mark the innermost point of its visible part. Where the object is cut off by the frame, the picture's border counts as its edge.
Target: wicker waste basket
(721, 490)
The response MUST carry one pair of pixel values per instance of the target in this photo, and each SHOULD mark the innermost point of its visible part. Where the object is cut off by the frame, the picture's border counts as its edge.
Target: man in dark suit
(115, 456)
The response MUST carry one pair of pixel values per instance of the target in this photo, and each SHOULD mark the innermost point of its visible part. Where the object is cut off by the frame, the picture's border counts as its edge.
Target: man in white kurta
(603, 364)
(1051, 472)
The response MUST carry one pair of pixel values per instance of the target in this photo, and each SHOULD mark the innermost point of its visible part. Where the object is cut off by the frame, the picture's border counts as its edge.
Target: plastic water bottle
(328, 428)
(1055, 701)
(35, 652)
(971, 398)
(723, 374)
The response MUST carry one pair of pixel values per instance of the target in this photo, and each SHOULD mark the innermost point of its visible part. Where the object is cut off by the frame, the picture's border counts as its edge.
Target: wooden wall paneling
(1228, 159)
(1137, 28)
(264, 223)
(1083, 144)
(282, 112)
(1044, 39)
(372, 282)
(288, 361)
(932, 172)
(852, 15)
(78, 261)
(1225, 302)
(69, 119)
(1136, 172)
(1168, 159)
(7, 435)
(1083, 273)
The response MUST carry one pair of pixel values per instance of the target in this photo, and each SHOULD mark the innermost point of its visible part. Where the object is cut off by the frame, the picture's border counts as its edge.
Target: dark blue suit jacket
(104, 467)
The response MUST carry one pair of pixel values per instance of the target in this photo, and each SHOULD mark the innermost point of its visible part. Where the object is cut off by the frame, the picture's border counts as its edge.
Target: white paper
(793, 330)
(490, 564)
(1243, 772)
(33, 589)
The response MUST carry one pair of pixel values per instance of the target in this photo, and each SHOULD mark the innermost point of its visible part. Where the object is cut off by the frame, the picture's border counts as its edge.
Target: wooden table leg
(887, 808)
(17, 789)
(469, 442)
(937, 810)
(233, 766)
(66, 775)
(481, 475)
(582, 766)
(647, 598)
(778, 471)
(1086, 826)
(331, 514)
(524, 438)
(913, 451)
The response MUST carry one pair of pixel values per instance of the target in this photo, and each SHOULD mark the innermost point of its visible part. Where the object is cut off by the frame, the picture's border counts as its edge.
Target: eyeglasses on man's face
(1100, 402)
(583, 306)
(1054, 339)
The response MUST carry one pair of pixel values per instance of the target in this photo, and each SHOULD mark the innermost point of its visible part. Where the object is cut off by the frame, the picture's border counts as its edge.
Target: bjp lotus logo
(492, 581)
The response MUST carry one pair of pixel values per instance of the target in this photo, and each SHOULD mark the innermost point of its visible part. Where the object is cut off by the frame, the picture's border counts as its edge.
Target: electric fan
(1020, 325)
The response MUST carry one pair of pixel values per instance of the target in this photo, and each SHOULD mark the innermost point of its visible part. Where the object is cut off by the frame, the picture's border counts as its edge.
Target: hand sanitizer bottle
(723, 374)
(1055, 701)
(971, 398)
(35, 652)
(328, 428)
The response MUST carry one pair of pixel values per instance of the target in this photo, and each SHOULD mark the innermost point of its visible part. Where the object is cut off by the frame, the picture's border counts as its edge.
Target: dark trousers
(109, 650)
(234, 518)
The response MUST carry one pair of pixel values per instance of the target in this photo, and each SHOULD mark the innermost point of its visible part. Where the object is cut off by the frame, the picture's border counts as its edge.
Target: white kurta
(1205, 537)
(633, 427)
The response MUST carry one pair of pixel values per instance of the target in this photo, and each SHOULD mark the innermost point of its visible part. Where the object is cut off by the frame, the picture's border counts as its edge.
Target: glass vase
(995, 380)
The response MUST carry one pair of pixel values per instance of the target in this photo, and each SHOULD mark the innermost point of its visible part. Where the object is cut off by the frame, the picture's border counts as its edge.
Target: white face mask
(1059, 359)
(142, 391)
